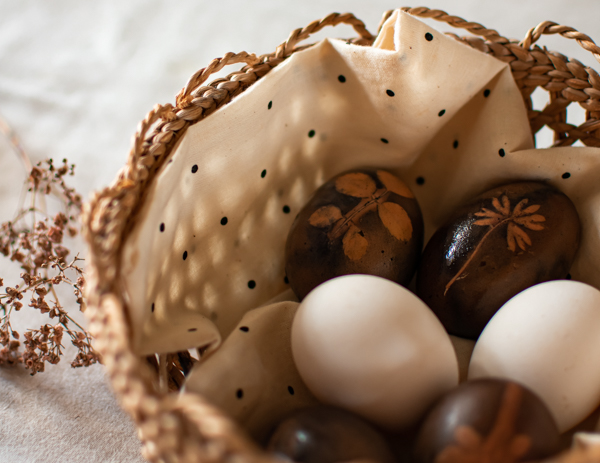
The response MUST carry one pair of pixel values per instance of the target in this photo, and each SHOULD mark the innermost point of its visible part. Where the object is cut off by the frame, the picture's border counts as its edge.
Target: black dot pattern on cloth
(245, 329)
(429, 36)
(236, 247)
(501, 152)
(239, 393)
(291, 390)
(162, 227)
(442, 112)
(566, 175)
(184, 255)
(486, 92)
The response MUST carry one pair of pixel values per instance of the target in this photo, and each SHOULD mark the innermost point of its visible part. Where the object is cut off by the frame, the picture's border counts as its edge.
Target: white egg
(547, 338)
(370, 346)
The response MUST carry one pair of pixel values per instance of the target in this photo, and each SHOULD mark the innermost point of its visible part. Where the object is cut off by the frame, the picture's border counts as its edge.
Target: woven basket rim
(198, 431)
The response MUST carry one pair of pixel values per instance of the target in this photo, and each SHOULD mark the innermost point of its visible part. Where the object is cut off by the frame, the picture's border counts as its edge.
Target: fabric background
(76, 78)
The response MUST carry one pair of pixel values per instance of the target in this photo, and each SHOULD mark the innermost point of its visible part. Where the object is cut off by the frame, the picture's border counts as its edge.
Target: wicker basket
(198, 431)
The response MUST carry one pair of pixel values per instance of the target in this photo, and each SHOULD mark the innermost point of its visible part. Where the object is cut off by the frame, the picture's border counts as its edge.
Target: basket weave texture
(174, 428)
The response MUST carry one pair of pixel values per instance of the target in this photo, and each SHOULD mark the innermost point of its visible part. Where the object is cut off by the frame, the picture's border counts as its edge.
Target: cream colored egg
(370, 346)
(547, 338)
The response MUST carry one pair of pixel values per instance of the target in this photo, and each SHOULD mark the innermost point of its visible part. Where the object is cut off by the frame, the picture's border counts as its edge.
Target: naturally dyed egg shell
(500, 243)
(328, 435)
(364, 221)
(487, 420)
(370, 346)
(547, 338)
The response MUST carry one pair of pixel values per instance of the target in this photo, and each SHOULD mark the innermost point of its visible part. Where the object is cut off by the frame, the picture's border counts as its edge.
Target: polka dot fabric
(442, 116)
(252, 377)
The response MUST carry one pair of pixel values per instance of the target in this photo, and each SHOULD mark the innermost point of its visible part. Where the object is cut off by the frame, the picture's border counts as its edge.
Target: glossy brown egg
(327, 435)
(487, 420)
(495, 246)
(365, 221)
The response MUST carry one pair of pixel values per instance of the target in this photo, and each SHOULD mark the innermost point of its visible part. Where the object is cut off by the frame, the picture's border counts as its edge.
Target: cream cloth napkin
(208, 242)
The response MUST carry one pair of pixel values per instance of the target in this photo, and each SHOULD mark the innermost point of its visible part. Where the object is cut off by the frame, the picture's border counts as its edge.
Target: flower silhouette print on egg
(496, 245)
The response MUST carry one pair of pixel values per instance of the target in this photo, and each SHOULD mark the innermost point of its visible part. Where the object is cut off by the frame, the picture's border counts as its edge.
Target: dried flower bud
(19, 257)
(60, 251)
(25, 243)
(55, 234)
(44, 243)
(39, 259)
(17, 305)
(41, 290)
(60, 220)
(13, 293)
(42, 306)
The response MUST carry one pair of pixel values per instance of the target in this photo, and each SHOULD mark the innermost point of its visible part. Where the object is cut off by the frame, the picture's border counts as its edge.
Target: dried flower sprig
(35, 240)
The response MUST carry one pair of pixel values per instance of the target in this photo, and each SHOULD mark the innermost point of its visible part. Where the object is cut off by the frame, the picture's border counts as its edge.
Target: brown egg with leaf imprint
(363, 221)
(493, 247)
(487, 420)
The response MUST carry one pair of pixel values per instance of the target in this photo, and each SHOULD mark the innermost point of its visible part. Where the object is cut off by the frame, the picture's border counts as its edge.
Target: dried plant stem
(34, 239)
(15, 143)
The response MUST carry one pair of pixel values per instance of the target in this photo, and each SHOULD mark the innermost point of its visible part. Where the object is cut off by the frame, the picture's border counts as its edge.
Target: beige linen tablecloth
(75, 79)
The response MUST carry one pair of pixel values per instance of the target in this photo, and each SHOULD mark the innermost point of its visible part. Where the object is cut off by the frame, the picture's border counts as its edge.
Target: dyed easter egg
(328, 435)
(364, 221)
(370, 346)
(487, 421)
(503, 241)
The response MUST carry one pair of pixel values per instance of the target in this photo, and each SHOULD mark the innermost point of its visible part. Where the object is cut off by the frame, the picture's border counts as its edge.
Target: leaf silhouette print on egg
(360, 185)
(359, 222)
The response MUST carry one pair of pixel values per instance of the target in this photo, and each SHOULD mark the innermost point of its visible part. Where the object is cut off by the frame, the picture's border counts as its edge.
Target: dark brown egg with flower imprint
(365, 221)
(495, 246)
(487, 420)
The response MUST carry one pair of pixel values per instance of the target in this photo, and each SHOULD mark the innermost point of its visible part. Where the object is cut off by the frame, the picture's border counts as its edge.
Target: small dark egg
(328, 435)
